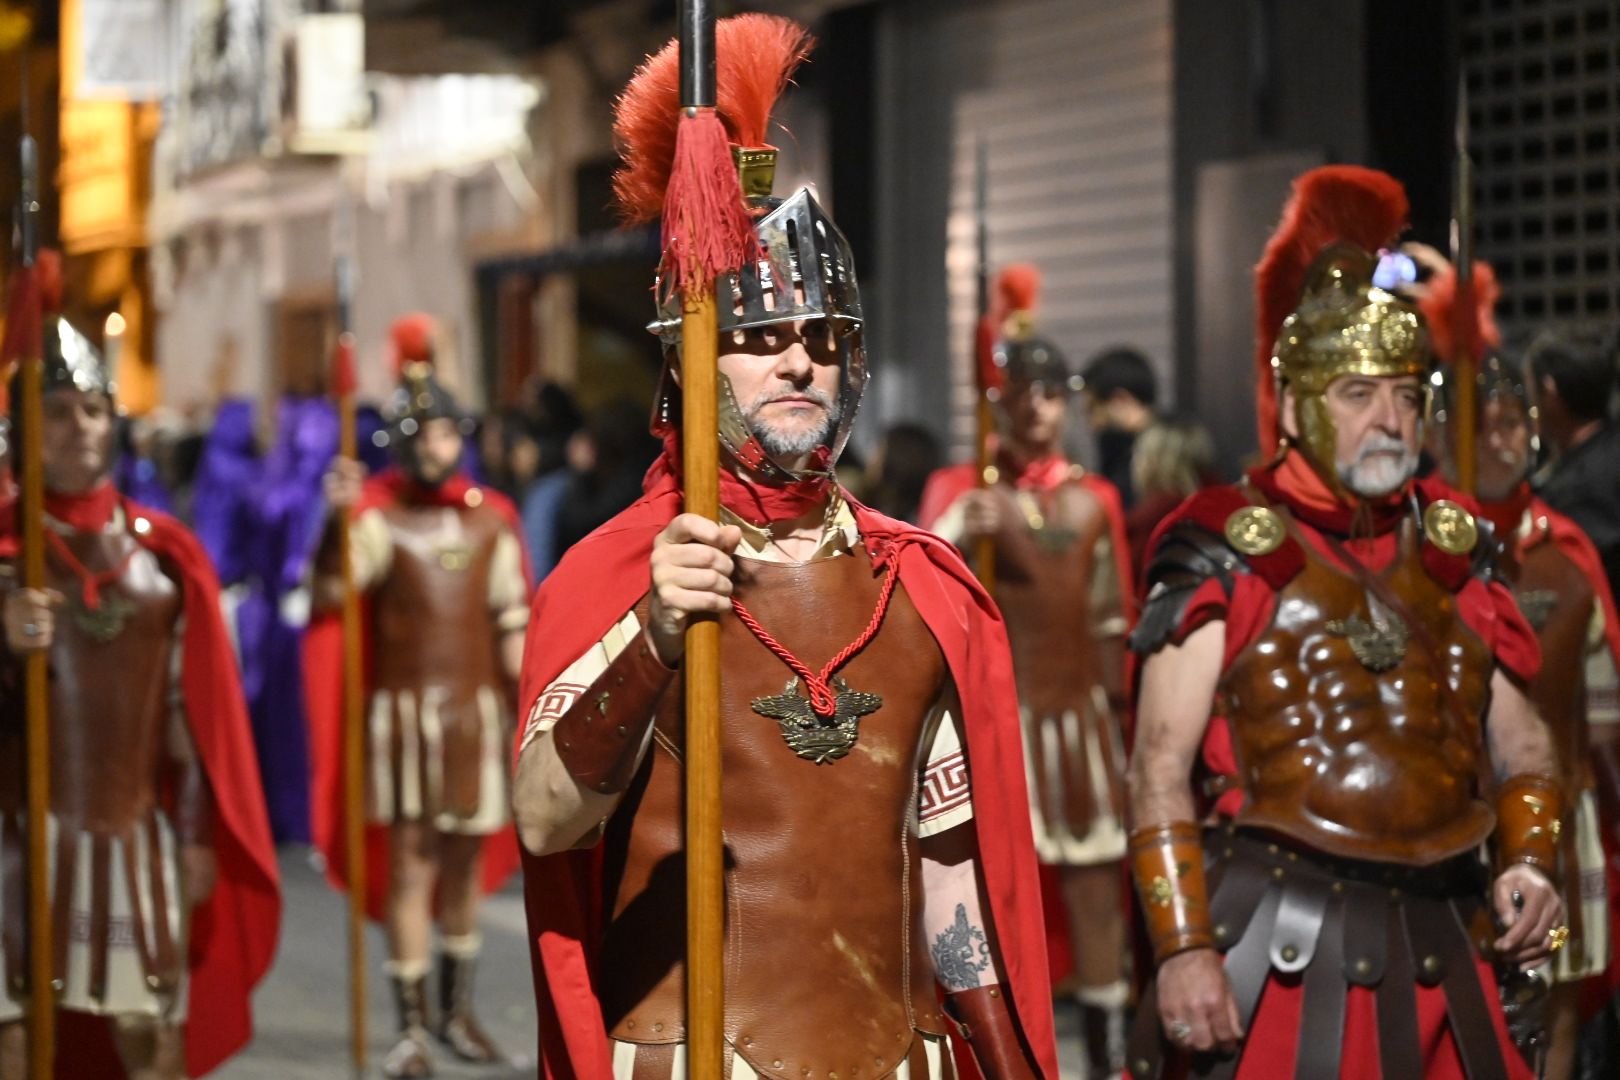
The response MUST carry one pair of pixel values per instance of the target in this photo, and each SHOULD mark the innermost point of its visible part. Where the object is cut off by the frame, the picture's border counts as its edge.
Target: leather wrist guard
(1167, 864)
(599, 738)
(987, 1026)
(1528, 809)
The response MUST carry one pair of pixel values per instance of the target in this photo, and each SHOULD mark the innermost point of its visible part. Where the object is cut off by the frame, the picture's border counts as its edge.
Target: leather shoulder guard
(1487, 565)
(1187, 556)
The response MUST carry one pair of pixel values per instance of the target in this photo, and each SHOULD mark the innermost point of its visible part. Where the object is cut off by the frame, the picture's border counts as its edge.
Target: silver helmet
(71, 362)
(802, 246)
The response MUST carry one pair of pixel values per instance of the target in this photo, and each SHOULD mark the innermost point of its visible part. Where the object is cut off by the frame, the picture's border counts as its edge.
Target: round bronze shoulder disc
(1450, 528)
(1255, 530)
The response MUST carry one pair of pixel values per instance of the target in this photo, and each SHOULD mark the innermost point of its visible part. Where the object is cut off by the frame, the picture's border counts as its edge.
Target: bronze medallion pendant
(1049, 536)
(105, 621)
(1379, 643)
(455, 557)
(812, 736)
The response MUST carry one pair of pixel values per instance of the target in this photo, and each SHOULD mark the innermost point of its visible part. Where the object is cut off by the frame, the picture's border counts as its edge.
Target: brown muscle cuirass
(109, 702)
(433, 632)
(1045, 567)
(1043, 587)
(827, 967)
(1364, 764)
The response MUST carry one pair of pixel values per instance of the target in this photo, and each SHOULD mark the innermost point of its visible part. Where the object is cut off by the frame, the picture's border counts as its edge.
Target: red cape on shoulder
(604, 576)
(323, 681)
(234, 931)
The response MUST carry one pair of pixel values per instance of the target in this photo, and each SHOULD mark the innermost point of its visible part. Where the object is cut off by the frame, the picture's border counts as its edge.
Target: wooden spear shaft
(354, 776)
(36, 680)
(36, 689)
(700, 463)
(705, 848)
(984, 548)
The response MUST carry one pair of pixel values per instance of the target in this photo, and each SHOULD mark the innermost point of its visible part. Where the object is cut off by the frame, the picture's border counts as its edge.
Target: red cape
(604, 576)
(323, 683)
(233, 932)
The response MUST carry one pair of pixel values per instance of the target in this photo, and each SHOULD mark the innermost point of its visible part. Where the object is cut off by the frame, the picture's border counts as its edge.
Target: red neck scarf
(757, 503)
(1041, 473)
(1506, 514)
(407, 489)
(84, 511)
(1295, 484)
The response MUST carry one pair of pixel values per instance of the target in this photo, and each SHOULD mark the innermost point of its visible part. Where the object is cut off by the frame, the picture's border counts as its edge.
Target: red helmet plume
(755, 56)
(1332, 204)
(1446, 329)
(412, 337)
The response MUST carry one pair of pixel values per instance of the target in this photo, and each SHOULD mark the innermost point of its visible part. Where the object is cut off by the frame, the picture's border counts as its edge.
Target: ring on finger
(1557, 937)
(1178, 1030)
(31, 629)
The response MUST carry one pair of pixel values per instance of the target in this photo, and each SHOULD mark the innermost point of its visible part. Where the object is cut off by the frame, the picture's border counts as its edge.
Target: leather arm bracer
(987, 1026)
(1529, 807)
(1167, 864)
(599, 738)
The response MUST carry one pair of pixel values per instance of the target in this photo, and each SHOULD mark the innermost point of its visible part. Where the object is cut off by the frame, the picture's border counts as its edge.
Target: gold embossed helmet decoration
(1320, 315)
(1344, 325)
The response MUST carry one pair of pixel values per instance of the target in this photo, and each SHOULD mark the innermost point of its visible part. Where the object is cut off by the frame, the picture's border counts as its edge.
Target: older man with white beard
(1327, 656)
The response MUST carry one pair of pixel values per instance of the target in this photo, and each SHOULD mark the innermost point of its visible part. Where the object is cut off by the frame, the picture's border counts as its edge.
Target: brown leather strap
(1529, 810)
(1400, 1047)
(986, 1024)
(599, 738)
(100, 914)
(1167, 863)
(1321, 1031)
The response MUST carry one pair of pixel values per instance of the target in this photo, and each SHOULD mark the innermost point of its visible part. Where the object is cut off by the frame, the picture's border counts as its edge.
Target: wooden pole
(705, 848)
(354, 775)
(700, 464)
(354, 746)
(984, 341)
(42, 984)
(1465, 320)
(36, 690)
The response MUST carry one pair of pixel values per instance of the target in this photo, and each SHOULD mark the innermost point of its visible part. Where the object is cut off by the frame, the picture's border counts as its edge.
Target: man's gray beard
(1374, 477)
(782, 445)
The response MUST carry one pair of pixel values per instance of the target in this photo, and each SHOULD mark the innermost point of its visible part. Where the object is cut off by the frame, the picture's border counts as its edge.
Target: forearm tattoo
(961, 953)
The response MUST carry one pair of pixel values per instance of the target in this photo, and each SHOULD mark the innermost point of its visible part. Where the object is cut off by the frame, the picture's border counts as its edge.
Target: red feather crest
(755, 56)
(412, 336)
(1444, 311)
(1335, 203)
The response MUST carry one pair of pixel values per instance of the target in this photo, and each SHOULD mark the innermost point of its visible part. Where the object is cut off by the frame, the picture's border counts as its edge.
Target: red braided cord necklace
(90, 582)
(823, 699)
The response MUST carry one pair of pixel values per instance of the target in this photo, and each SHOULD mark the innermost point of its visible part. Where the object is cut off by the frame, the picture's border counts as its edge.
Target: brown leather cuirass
(431, 622)
(1043, 587)
(827, 967)
(1352, 761)
(110, 686)
(1557, 600)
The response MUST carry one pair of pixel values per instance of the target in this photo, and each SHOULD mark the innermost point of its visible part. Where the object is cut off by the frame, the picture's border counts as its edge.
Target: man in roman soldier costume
(165, 895)
(878, 854)
(440, 563)
(1061, 577)
(1557, 577)
(1332, 715)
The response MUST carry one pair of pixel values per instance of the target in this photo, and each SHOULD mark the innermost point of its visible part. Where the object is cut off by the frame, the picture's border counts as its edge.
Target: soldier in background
(1557, 578)
(157, 826)
(1061, 578)
(441, 566)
